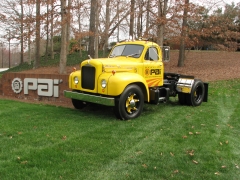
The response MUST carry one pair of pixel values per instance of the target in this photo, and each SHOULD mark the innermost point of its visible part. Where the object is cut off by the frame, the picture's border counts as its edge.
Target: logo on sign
(17, 85)
(44, 87)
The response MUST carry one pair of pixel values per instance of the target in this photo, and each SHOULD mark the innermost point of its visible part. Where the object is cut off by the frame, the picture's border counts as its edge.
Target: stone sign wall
(40, 87)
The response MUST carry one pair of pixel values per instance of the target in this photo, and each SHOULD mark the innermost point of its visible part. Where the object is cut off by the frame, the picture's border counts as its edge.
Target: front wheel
(78, 104)
(130, 103)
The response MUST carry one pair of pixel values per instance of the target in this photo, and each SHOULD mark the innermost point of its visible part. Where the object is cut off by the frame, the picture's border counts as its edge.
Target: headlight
(104, 83)
(76, 80)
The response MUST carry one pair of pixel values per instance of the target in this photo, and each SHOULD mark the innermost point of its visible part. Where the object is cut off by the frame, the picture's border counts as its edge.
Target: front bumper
(90, 98)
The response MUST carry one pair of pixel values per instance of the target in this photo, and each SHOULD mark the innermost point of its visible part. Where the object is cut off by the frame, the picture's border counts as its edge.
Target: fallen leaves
(230, 126)
(24, 162)
(197, 133)
(194, 161)
(190, 152)
(226, 142)
(176, 171)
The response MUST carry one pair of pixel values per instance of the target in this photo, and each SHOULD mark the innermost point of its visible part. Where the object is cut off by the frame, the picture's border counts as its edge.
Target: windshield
(130, 50)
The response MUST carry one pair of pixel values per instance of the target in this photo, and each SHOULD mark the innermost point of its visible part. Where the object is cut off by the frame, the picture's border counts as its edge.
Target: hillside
(205, 65)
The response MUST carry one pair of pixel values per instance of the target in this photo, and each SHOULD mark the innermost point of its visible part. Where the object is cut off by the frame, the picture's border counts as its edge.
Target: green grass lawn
(167, 141)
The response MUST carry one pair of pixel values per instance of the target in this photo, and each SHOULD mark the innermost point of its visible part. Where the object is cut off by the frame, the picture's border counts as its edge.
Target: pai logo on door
(155, 72)
(152, 72)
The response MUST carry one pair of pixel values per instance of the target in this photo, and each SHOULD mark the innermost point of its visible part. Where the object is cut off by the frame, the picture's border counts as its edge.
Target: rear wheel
(197, 93)
(78, 104)
(130, 103)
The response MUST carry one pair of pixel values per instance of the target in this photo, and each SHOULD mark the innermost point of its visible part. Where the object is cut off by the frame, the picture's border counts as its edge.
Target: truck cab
(132, 74)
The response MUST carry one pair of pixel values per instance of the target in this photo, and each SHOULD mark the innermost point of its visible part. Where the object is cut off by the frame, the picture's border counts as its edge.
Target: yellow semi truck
(132, 74)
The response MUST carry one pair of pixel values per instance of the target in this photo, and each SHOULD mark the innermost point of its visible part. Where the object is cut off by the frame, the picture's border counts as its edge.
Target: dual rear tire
(195, 98)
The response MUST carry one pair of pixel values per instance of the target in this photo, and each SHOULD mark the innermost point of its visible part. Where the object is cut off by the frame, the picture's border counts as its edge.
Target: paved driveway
(3, 69)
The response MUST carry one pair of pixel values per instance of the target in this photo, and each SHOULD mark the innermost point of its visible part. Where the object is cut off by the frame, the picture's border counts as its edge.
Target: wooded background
(34, 28)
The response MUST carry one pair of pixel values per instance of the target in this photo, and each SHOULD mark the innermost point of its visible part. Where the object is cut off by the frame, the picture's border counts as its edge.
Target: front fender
(119, 81)
(71, 83)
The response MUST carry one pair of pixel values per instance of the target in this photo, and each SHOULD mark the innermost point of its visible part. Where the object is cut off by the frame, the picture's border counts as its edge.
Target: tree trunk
(106, 27)
(162, 11)
(37, 55)
(92, 28)
(52, 50)
(79, 30)
(147, 18)
(139, 19)
(47, 33)
(21, 59)
(118, 28)
(183, 35)
(132, 11)
(63, 53)
(96, 32)
(29, 44)
(68, 23)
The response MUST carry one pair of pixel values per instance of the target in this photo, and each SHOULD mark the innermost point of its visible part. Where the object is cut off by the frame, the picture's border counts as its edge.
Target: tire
(130, 103)
(116, 109)
(197, 93)
(78, 104)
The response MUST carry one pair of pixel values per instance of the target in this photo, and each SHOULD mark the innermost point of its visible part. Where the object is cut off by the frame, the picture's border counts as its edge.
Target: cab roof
(140, 42)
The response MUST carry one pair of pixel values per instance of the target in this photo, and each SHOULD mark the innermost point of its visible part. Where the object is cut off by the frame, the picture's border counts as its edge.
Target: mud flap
(206, 92)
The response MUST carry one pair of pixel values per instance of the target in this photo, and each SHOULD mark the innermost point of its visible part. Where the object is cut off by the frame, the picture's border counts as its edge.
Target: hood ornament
(89, 58)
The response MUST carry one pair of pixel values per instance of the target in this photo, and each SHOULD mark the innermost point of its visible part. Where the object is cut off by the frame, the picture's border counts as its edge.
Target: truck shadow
(107, 112)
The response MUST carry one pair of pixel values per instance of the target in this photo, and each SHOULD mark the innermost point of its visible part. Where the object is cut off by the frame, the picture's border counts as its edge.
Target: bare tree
(147, 18)
(69, 8)
(96, 31)
(51, 22)
(162, 12)
(183, 35)
(106, 26)
(92, 28)
(132, 12)
(38, 18)
(47, 30)
(63, 54)
(21, 36)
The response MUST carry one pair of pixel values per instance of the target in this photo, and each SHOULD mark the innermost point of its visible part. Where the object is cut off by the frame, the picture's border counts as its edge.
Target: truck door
(153, 67)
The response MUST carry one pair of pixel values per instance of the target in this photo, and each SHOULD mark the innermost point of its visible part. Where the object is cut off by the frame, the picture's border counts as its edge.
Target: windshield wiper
(131, 55)
(112, 56)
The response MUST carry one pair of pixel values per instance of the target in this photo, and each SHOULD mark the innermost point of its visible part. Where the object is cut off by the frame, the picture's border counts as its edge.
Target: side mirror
(166, 53)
